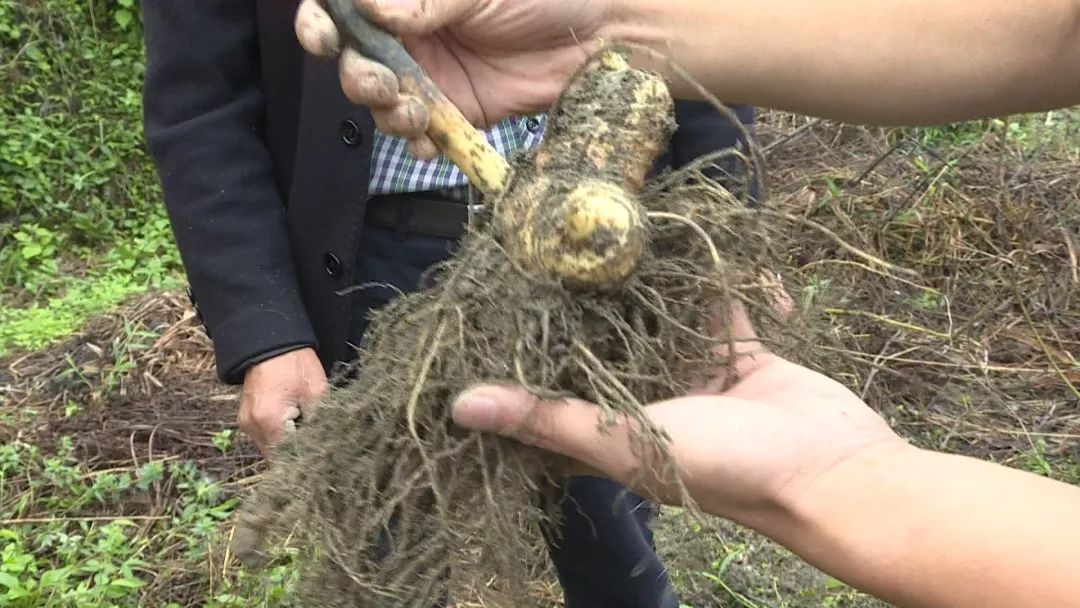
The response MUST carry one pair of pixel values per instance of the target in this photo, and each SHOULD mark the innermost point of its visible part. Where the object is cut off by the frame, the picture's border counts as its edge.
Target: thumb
(417, 17)
(570, 427)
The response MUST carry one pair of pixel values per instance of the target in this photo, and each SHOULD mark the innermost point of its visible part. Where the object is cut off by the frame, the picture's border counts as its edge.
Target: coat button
(350, 133)
(532, 124)
(333, 265)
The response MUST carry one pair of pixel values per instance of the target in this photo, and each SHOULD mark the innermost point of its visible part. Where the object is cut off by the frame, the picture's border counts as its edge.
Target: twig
(788, 137)
(1073, 257)
(962, 366)
(873, 270)
(877, 365)
(1046, 350)
(888, 321)
(836, 239)
(101, 518)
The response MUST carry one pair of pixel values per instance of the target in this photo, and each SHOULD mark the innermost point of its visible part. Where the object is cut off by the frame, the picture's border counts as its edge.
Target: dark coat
(264, 166)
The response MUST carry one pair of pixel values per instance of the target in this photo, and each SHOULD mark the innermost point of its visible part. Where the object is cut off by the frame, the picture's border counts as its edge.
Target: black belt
(422, 213)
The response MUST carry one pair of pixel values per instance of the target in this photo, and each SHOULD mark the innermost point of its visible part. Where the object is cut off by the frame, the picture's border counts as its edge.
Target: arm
(889, 62)
(799, 457)
(203, 122)
(884, 62)
(807, 464)
(920, 528)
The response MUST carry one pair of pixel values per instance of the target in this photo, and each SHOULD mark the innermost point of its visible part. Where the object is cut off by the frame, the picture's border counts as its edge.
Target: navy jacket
(264, 167)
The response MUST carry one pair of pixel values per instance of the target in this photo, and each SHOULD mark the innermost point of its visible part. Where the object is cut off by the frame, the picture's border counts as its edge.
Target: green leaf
(833, 584)
(126, 3)
(728, 559)
(123, 17)
(10, 581)
(127, 583)
(53, 578)
(31, 251)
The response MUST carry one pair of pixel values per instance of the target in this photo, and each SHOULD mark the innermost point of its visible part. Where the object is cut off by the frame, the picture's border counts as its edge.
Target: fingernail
(399, 4)
(476, 410)
(330, 42)
(398, 8)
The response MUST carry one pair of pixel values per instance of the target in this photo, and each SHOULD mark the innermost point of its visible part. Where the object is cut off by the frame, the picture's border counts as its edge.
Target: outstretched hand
(757, 445)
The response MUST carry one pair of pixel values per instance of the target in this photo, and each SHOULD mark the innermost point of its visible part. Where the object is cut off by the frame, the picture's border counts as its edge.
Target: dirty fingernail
(396, 7)
(330, 42)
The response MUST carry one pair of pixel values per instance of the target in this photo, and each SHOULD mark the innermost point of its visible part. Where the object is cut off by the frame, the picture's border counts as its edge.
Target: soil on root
(391, 494)
(386, 497)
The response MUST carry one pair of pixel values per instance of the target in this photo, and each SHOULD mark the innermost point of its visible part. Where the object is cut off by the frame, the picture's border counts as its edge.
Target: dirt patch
(135, 385)
(978, 352)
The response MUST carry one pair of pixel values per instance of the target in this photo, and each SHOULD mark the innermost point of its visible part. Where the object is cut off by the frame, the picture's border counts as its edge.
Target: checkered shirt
(395, 171)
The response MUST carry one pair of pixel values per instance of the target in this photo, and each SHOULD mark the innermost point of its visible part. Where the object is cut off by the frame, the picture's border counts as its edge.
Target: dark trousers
(603, 550)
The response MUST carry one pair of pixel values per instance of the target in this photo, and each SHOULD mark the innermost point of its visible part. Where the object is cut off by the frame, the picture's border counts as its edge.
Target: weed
(66, 540)
(1028, 132)
(81, 224)
(223, 440)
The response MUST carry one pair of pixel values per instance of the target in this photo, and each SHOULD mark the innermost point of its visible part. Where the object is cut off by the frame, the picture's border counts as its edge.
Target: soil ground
(976, 354)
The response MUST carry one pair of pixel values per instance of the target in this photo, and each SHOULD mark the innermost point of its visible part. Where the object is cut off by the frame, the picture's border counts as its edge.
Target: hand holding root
(572, 214)
(505, 59)
(742, 451)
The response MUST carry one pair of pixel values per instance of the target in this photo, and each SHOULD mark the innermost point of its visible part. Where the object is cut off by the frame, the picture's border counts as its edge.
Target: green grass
(1055, 130)
(68, 538)
(718, 563)
(146, 262)
(81, 220)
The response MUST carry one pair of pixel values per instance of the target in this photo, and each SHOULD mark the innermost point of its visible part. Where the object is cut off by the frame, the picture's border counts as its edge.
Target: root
(660, 215)
(414, 401)
(392, 504)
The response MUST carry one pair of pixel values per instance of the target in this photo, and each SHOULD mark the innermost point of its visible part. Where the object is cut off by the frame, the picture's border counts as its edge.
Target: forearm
(889, 62)
(203, 112)
(919, 528)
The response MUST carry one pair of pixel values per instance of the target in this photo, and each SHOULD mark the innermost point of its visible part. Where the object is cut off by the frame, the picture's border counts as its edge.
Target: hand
(742, 452)
(277, 392)
(492, 58)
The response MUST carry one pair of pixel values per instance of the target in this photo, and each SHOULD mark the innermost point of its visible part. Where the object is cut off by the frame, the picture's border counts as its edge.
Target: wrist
(276, 362)
(859, 519)
(639, 22)
(666, 27)
(811, 508)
